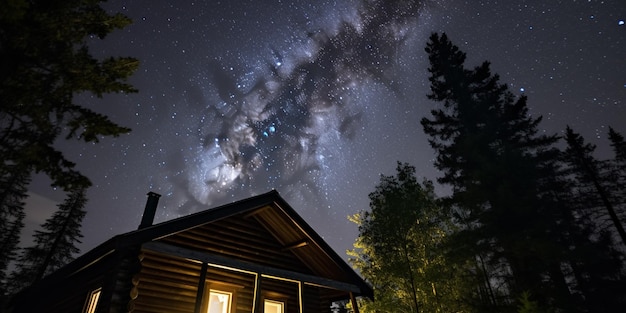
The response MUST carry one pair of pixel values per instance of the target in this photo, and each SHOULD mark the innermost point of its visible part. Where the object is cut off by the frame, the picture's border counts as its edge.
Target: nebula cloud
(280, 130)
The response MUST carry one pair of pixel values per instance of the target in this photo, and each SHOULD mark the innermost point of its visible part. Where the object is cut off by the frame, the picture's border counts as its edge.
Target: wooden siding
(158, 269)
(170, 284)
(282, 291)
(164, 285)
(70, 295)
(118, 282)
(292, 236)
(246, 238)
(239, 237)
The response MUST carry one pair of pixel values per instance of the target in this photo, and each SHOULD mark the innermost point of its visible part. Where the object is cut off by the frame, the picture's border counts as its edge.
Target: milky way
(279, 130)
(316, 99)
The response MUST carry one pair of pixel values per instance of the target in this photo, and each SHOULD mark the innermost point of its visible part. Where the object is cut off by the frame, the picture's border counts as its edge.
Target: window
(92, 301)
(220, 297)
(219, 301)
(271, 306)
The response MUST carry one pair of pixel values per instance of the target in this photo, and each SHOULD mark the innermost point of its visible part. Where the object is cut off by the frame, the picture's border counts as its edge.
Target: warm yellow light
(274, 307)
(219, 301)
(92, 301)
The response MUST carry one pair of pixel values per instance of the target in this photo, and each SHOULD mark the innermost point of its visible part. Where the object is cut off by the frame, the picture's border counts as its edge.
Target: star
(317, 99)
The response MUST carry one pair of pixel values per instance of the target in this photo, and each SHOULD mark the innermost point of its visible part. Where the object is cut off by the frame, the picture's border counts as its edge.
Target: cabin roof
(269, 209)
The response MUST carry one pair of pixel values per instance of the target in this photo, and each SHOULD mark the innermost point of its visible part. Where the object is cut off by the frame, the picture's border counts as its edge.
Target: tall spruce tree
(618, 170)
(491, 153)
(54, 245)
(401, 251)
(44, 62)
(593, 180)
(619, 146)
(13, 186)
(596, 263)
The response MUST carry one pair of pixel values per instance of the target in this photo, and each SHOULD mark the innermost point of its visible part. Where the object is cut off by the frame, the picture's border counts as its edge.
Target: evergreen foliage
(618, 172)
(528, 227)
(489, 151)
(44, 62)
(13, 186)
(512, 198)
(593, 181)
(54, 246)
(594, 257)
(619, 147)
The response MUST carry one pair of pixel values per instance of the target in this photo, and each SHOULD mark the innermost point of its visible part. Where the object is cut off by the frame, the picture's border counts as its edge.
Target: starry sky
(317, 99)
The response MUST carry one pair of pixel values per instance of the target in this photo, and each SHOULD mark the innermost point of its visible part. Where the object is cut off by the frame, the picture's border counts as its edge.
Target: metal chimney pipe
(150, 210)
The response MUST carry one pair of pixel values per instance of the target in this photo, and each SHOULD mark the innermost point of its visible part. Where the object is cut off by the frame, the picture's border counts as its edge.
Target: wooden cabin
(254, 255)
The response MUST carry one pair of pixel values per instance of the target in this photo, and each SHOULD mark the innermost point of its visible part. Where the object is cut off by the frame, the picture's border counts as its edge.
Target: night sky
(316, 99)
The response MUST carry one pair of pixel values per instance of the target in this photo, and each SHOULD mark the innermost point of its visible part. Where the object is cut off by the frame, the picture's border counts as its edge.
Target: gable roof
(269, 209)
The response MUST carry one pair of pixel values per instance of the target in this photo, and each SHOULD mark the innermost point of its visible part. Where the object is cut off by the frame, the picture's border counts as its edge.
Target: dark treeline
(528, 226)
(44, 62)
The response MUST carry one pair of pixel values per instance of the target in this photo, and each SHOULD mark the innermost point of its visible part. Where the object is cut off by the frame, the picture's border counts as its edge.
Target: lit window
(272, 306)
(219, 301)
(92, 301)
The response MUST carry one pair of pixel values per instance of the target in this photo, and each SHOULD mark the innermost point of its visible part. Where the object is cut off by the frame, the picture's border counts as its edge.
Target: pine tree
(44, 62)
(400, 248)
(596, 263)
(54, 246)
(13, 185)
(592, 181)
(619, 145)
(491, 153)
(618, 172)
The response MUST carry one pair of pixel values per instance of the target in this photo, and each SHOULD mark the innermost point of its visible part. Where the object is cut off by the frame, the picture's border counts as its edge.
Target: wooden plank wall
(164, 285)
(241, 283)
(240, 238)
(169, 284)
(69, 296)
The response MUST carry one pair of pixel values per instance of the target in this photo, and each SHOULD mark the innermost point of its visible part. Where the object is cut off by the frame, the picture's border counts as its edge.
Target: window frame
(92, 301)
(282, 302)
(274, 297)
(220, 287)
(229, 306)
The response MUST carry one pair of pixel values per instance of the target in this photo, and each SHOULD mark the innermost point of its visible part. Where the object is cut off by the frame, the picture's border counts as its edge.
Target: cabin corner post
(257, 307)
(355, 306)
(201, 284)
(300, 297)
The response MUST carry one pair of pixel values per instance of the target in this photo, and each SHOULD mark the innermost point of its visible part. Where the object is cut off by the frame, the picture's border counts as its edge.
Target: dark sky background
(316, 99)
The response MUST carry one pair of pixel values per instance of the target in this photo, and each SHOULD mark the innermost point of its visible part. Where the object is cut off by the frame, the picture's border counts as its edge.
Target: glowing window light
(92, 301)
(219, 301)
(272, 306)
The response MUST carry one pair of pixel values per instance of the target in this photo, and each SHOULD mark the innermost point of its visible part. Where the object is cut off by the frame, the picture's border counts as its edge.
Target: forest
(534, 222)
(45, 63)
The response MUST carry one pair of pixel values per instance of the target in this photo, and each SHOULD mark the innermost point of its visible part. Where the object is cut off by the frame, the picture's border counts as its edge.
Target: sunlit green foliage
(401, 248)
